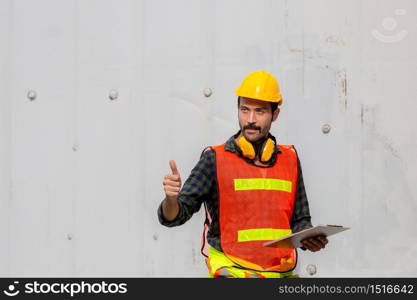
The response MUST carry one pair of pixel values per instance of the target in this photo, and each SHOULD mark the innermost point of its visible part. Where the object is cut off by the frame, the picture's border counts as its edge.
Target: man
(252, 189)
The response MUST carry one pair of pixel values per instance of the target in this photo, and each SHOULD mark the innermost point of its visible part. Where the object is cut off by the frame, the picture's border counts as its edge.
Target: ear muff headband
(248, 150)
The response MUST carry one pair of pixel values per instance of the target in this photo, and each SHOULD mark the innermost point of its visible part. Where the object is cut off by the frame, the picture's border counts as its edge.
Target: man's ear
(275, 114)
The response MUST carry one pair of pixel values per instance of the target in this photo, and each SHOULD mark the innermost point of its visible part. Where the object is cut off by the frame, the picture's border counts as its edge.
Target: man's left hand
(315, 243)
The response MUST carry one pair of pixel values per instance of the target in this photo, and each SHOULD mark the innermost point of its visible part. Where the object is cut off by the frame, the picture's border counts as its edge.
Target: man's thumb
(173, 167)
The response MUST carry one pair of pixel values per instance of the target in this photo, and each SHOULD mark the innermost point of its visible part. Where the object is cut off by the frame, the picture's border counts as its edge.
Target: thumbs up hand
(172, 182)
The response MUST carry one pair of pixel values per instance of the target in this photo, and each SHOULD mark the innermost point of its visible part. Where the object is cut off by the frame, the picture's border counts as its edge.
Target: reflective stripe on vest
(218, 260)
(248, 184)
(263, 234)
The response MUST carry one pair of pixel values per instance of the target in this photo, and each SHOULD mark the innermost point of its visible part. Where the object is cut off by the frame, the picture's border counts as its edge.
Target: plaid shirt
(201, 187)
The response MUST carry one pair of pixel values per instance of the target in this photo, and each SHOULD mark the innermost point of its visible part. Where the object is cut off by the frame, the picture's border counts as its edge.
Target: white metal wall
(80, 174)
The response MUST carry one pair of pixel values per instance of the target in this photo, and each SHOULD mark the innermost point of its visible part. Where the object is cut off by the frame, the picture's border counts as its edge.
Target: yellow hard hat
(260, 85)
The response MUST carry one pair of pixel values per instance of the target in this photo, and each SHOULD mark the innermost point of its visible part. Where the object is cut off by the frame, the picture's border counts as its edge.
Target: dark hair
(274, 105)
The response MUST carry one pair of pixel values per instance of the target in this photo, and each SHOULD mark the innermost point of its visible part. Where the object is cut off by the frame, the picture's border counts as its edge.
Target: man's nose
(252, 117)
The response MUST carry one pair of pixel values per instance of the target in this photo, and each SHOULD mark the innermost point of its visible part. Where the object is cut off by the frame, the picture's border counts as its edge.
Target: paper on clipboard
(294, 240)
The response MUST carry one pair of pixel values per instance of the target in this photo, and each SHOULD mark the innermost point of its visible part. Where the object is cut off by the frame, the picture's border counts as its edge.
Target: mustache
(251, 126)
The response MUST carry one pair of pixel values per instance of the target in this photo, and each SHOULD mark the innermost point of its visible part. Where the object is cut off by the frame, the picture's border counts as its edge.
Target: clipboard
(294, 240)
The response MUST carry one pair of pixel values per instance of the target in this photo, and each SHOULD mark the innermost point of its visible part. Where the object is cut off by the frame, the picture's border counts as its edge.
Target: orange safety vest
(255, 206)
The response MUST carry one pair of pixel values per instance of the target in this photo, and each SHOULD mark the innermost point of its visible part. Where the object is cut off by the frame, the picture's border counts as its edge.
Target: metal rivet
(113, 94)
(325, 128)
(69, 236)
(31, 95)
(207, 92)
(311, 269)
(155, 237)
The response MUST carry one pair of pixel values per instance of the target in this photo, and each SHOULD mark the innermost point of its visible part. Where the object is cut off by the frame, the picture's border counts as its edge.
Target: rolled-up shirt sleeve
(194, 192)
